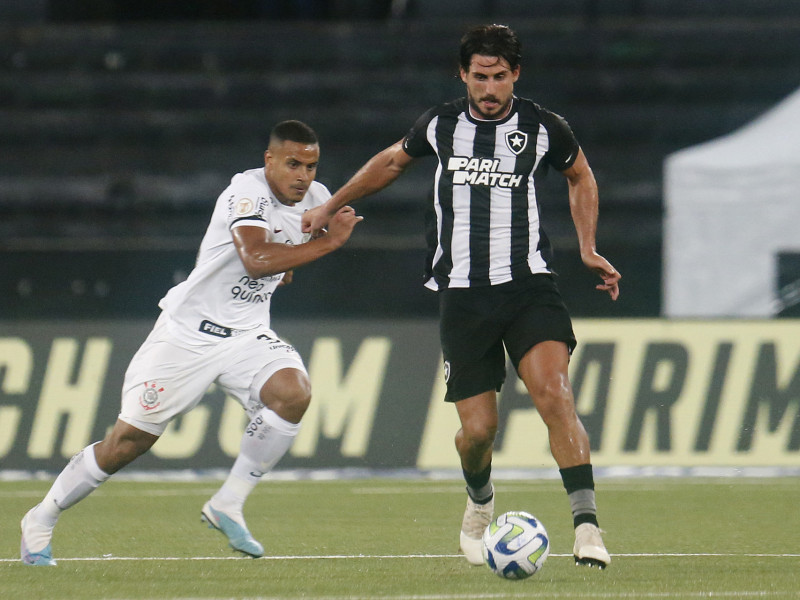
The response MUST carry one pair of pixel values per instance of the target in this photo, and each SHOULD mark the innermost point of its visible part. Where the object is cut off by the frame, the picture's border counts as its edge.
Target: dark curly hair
(490, 40)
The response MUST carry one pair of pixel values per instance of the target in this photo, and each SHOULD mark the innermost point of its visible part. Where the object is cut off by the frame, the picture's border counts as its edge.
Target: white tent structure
(732, 205)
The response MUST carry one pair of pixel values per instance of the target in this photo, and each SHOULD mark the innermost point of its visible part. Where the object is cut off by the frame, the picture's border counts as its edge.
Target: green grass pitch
(398, 539)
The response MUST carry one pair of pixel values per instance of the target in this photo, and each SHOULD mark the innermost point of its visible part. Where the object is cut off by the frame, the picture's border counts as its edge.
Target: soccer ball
(515, 545)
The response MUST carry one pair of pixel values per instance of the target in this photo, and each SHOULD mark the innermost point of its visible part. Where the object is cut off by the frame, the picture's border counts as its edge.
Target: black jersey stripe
(480, 209)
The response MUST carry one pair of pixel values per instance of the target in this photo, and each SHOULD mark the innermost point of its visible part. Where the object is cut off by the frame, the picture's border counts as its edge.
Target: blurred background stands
(120, 123)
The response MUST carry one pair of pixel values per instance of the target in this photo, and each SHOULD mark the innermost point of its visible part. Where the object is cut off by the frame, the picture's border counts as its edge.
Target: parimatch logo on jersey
(481, 171)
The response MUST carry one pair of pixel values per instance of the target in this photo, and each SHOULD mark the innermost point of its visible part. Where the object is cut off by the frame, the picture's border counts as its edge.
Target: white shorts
(167, 378)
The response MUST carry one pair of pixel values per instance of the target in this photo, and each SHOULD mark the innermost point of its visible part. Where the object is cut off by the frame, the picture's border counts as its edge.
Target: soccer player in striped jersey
(490, 261)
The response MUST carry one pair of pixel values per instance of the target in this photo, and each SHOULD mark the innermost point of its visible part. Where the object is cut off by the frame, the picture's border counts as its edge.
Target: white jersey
(218, 299)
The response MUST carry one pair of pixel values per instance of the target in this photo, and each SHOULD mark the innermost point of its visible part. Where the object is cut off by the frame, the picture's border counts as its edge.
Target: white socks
(266, 439)
(79, 478)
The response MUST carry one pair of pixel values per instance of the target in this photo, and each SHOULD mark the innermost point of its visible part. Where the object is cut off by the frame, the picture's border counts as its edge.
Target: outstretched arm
(262, 257)
(378, 172)
(583, 204)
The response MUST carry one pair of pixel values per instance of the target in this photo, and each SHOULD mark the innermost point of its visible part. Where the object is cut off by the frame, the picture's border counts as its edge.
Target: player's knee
(290, 396)
(301, 398)
(479, 435)
(554, 402)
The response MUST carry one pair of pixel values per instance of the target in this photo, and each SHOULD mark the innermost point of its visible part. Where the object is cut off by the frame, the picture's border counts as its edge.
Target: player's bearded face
(490, 86)
(290, 167)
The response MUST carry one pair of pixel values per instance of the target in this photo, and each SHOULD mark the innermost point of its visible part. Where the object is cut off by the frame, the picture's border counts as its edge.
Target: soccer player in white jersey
(215, 327)
(490, 263)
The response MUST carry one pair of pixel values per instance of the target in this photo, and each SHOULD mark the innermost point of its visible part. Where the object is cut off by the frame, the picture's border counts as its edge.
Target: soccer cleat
(589, 548)
(35, 535)
(476, 519)
(233, 526)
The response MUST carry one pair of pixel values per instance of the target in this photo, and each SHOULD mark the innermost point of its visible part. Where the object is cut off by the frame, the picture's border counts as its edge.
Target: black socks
(579, 483)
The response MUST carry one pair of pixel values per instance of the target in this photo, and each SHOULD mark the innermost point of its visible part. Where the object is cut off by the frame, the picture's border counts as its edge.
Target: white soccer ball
(515, 545)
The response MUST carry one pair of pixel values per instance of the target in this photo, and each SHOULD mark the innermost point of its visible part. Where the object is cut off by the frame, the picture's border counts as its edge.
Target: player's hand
(341, 224)
(288, 276)
(607, 273)
(314, 220)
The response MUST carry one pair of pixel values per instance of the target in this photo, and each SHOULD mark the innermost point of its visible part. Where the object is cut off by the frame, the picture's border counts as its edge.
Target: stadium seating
(129, 132)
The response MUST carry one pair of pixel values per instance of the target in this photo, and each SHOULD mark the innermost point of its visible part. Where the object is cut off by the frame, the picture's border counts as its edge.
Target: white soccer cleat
(476, 519)
(589, 548)
(34, 546)
(234, 528)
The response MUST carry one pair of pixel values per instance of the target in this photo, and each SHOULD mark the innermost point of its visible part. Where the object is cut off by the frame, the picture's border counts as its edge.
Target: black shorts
(477, 323)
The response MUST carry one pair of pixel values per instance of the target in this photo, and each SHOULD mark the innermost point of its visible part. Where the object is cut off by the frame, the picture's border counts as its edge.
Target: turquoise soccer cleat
(234, 528)
(41, 558)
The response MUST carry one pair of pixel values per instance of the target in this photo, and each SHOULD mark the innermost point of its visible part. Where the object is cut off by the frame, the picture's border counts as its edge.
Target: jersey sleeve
(247, 206)
(564, 146)
(416, 142)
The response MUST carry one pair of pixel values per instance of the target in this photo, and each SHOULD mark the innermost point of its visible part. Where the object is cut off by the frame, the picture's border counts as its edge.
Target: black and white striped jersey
(485, 213)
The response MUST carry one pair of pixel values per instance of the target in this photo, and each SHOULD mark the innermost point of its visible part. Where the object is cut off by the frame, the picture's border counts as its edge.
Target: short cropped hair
(490, 40)
(293, 131)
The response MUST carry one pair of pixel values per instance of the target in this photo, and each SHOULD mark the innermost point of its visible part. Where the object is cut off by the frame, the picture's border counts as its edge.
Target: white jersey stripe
(437, 207)
(536, 262)
(500, 236)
